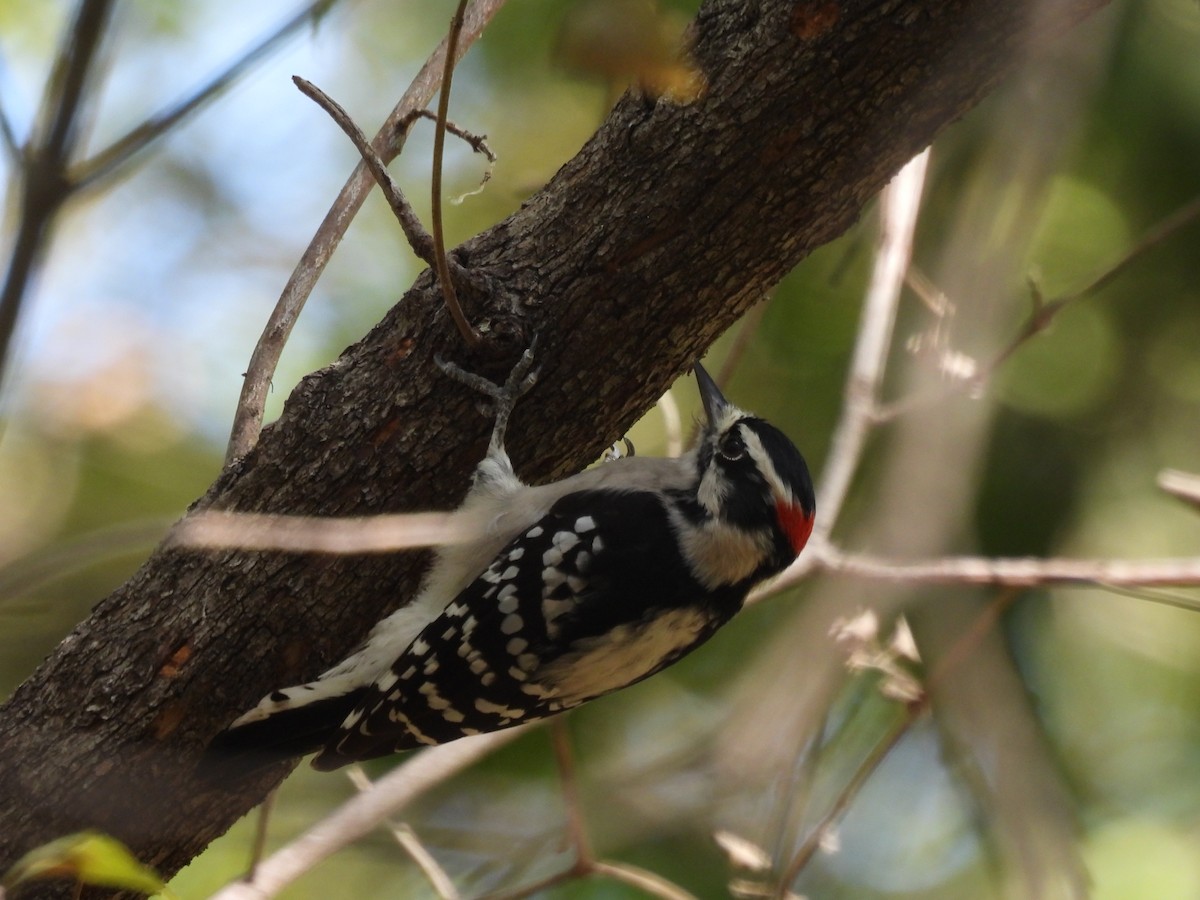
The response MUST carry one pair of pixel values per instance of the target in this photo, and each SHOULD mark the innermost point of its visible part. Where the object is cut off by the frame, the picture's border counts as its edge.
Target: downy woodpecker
(573, 590)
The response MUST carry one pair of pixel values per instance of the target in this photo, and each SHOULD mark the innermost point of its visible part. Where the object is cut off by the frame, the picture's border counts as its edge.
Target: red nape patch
(795, 522)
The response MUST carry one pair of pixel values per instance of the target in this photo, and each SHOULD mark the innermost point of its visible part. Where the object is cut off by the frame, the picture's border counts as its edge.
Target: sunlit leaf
(88, 857)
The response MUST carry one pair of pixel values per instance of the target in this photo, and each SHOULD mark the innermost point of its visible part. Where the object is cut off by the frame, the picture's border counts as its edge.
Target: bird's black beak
(714, 400)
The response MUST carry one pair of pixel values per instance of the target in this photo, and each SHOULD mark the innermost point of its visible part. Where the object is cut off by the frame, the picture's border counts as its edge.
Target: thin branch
(418, 238)
(8, 135)
(672, 423)
(117, 154)
(317, 534)
(1150, 239)
(247, 421)
(642, 879)
(564, 759)
(1021, 573)
(262, 822)
(747, 328)
(958, 655)
(843, 800)
(1184, 486)
(470, 335)
(438, 878)
(44, 183)
(364, 812)
(1043, 312)
(898, 207)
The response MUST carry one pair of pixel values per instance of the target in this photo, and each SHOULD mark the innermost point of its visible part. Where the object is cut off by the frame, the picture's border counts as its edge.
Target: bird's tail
(256, 742)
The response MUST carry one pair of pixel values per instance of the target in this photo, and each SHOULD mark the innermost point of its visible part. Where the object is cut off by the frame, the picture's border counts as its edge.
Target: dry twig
(247, 422)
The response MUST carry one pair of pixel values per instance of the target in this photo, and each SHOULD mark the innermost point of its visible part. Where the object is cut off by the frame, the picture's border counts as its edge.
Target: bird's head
(752, 477)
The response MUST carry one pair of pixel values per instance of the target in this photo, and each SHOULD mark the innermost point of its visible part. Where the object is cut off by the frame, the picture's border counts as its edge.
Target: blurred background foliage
(130, 349)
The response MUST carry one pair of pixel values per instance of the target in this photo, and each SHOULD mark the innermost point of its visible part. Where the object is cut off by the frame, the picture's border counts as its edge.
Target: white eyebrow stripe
(762, 460)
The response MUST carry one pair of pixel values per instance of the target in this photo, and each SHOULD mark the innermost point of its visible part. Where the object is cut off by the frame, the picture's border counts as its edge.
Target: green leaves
(88, 857)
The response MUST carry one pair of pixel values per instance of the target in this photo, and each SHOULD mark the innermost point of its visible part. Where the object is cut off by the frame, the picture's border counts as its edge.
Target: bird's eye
(731, 449)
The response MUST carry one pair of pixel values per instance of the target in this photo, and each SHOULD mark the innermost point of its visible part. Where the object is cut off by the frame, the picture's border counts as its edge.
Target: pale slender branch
(1184, 486)
(364, 812)
(899, 203)
(468, 331)
(642, 879)
(1021, 573)
(741, 341)
(247, 422)
(668, 407)
(114, 156)
(438, 878)
(316, 534)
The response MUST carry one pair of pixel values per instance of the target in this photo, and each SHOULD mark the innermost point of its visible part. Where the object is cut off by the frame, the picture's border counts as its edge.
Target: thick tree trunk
(667, 226)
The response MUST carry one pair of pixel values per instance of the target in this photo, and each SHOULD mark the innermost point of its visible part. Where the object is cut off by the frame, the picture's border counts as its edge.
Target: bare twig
(438, 878)
(913, 711)
(898, 207)
(642, 879)
(747, 329)
(247, 422)
(672, 423)
(316, 534)
(44, 183)
(12, 146)
(1184, 486)
(564, 758)
(1043, 312)
(1150, 239)
(418, 238)
(585, 863)
(261, 822)
(364, 812)
(1022, 573)
(470, 335)
(114, 156)
(843, 800)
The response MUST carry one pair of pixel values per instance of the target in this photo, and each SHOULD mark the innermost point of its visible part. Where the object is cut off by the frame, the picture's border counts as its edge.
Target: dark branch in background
(48, 179)
(43, 173)
(468, 331)
(11, 145)
(247, 419)
(1042, 313)
(117, 154)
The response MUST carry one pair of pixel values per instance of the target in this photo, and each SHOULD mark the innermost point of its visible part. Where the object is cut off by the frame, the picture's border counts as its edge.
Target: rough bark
(666, 226)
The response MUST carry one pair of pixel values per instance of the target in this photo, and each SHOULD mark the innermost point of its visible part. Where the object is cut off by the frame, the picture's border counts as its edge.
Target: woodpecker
(573, 590)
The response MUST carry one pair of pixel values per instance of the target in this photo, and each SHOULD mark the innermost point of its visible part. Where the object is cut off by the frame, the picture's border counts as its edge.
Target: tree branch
(119, 152)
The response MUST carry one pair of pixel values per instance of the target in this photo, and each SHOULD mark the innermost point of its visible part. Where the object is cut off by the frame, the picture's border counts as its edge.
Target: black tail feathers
(249, 749)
